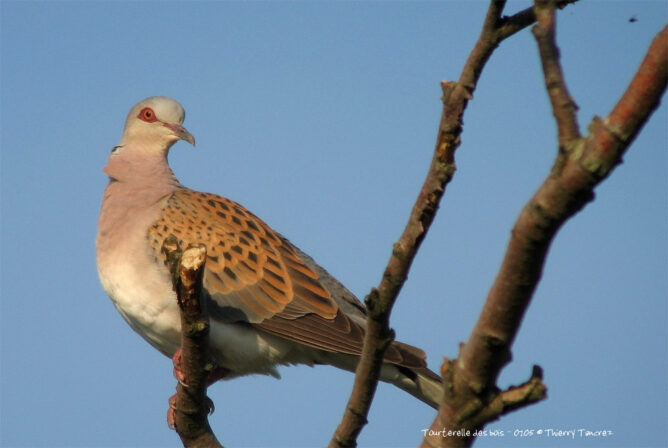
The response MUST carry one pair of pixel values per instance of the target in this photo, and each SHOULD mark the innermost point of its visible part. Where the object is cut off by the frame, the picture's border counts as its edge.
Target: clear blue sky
(321, 118)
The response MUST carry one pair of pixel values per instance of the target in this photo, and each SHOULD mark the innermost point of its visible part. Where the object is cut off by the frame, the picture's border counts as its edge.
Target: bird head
(156, 121)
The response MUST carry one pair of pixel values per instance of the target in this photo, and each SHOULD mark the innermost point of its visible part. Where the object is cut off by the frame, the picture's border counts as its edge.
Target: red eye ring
(147, 115)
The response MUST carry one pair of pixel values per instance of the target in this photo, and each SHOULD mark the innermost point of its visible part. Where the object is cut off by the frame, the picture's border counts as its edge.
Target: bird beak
(181, 132)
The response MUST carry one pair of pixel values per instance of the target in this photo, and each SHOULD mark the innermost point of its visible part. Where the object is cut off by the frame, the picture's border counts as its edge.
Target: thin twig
(563, 106)
(524, 18)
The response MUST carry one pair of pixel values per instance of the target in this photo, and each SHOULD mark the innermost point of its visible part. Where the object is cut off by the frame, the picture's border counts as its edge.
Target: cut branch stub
(190, 406)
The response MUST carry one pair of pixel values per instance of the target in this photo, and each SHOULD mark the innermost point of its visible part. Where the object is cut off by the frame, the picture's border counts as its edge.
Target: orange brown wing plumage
(253, 275)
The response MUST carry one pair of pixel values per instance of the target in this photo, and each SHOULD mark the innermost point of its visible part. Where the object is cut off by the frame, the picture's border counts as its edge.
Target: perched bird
(269, 303)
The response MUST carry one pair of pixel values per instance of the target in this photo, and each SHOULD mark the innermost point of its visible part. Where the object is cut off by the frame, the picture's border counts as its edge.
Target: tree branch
(380, 300)
(563, 106)
(190, 406)
(524, 18)
(472, 377)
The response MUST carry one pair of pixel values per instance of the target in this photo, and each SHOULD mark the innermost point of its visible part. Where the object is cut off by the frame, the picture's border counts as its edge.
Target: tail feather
(422, 383)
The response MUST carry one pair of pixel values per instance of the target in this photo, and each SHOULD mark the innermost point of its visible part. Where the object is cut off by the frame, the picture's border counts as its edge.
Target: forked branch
(380, 300)
(580, 165)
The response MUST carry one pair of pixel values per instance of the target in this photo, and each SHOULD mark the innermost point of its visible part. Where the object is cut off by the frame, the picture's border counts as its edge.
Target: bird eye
(147, 114)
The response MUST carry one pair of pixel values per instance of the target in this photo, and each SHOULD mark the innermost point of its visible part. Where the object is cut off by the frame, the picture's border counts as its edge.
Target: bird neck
(143, 171)
(134, 163)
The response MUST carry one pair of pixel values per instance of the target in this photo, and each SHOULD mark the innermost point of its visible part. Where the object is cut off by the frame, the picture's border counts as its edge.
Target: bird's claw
(171, 412)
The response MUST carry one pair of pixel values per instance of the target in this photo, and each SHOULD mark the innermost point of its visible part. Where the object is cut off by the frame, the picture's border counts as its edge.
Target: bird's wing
(254, 275)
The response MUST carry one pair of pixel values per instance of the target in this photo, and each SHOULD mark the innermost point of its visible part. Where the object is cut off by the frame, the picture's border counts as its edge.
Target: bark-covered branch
(190, 406)
(380, 300)
(563, 106)
(580, 165)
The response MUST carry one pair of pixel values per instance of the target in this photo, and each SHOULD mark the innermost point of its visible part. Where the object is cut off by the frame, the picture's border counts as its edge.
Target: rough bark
(190, 407)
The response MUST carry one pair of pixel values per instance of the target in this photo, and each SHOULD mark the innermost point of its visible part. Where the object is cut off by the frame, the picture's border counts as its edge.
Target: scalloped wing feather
(253, 275)
(248, 268)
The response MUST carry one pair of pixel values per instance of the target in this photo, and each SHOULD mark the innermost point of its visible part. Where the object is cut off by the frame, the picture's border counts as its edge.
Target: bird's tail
(422, 383)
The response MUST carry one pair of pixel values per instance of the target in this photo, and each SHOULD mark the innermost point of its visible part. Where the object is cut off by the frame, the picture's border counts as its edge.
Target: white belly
(144, 297)
(146, 301)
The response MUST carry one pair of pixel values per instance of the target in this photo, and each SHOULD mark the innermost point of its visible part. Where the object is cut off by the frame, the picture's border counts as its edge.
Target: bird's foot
(217, 373)
(178, 372)
(171, 412)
